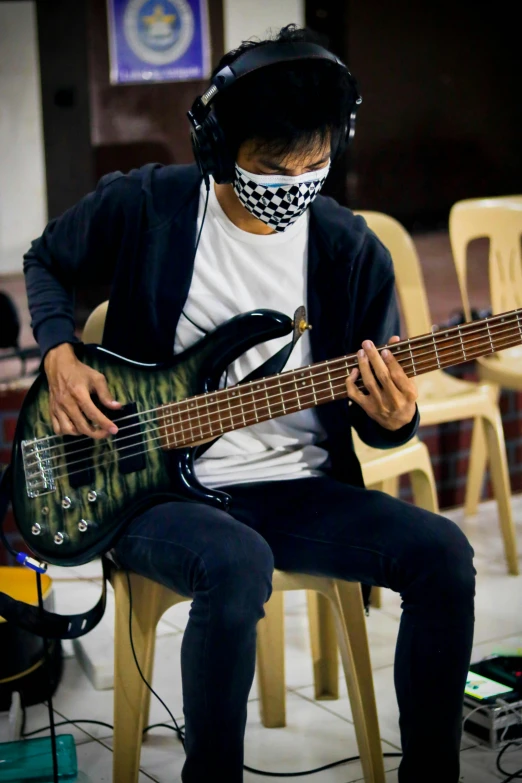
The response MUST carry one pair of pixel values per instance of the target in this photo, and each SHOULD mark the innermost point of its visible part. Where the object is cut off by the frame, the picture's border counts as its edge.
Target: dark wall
(91, 127)
(136, 124)
(441, 118)
(65, 102)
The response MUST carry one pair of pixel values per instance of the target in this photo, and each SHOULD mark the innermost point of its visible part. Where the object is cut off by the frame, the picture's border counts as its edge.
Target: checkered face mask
(276, 200)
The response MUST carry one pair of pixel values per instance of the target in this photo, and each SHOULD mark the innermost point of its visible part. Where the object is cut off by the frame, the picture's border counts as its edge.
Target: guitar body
(73, 496)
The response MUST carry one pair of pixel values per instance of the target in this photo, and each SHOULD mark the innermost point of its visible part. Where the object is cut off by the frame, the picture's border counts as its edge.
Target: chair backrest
(500, 220)
(408, 272)
(93, 329)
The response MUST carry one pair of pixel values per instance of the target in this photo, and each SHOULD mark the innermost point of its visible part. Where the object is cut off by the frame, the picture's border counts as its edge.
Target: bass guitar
(73, 495)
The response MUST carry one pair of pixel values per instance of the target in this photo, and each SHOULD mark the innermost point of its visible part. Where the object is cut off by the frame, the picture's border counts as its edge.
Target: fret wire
(281, 393)
(436, 352)
(298, 399)
(267, 400)
(329, 380)
(311, 378)
(412, 358)
(462, 342)
(490, 338)
(254, 403)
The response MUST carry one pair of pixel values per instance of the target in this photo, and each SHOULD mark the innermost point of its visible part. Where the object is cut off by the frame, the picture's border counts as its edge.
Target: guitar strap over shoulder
(57, 626)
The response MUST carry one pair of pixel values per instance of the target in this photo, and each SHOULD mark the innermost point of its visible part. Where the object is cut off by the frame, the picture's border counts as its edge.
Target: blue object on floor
(32, 760)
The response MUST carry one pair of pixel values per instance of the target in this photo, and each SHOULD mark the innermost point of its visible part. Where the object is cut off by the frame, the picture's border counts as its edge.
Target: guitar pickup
(129, 442)
(78, 457)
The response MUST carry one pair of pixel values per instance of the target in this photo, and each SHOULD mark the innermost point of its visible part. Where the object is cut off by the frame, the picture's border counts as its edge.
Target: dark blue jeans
(323, 527)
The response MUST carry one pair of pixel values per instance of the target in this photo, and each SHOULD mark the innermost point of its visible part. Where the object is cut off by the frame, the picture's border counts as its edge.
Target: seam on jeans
(167, 541)
(335, 543)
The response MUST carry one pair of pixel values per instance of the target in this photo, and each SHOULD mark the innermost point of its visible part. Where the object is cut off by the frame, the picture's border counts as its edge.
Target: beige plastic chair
(443, 398)
(150, 600)
(500, 220)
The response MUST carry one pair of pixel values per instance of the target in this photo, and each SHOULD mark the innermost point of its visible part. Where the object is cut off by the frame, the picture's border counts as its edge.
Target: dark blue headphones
(208, 140)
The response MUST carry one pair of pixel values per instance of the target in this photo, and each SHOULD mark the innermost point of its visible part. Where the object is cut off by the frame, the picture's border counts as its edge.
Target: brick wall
(449, 446)
(10, 403)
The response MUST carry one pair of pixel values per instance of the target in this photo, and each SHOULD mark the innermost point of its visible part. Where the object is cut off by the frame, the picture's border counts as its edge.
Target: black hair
(286, 107)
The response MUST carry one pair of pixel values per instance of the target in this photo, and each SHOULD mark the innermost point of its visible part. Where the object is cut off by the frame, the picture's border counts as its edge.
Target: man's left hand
(391, 395)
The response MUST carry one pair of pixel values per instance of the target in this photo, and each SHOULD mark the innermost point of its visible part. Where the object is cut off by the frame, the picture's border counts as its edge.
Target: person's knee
(440, 564)
(239, 578)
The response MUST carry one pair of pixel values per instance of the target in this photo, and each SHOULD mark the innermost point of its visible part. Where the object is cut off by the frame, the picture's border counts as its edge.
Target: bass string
(166, 414)
(115, 453)
(395, 348)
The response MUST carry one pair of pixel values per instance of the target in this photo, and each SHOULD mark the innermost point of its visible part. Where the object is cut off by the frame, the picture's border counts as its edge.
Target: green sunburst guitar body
(72, 496)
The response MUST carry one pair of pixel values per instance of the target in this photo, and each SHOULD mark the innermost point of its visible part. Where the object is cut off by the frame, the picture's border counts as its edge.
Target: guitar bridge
(39, 479)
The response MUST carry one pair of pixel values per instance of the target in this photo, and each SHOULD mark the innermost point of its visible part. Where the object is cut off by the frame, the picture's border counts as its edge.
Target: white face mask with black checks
(276, 200)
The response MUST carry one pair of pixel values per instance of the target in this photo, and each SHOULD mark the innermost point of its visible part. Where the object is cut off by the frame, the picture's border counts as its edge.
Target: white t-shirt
(234, 272)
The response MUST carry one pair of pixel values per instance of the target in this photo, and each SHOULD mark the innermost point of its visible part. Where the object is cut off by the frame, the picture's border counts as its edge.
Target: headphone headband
(261, 56)
(207, 137)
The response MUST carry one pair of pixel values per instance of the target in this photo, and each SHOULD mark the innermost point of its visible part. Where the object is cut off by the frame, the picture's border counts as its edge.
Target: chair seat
(444, 398)
(504, 369)
(380, 464)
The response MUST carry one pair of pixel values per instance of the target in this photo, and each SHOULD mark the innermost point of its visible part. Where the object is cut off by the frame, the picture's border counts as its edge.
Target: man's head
(272, 130)
(285, 118)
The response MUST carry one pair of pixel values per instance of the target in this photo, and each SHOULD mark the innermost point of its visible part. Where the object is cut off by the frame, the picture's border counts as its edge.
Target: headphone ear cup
(222, 159)
(202, 151)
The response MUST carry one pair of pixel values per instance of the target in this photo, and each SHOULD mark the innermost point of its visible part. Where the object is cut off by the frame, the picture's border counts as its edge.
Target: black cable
(180, 729)
(499, 757)
(510, 775)
(196, 250)
(47, 658)
(517, 774)
(312, 771)
(96, 723)
(151, 689)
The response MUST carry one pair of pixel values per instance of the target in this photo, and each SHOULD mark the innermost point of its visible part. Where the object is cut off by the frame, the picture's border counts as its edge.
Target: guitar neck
(206, 416)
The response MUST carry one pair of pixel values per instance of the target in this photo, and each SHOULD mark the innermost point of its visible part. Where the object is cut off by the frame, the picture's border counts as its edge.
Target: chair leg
(376, 597)
(476, 469)
(501, 487)
(130, 692)
(271, 663)
(355, 655)
(390, 486)
(424, 489)
(323, 641)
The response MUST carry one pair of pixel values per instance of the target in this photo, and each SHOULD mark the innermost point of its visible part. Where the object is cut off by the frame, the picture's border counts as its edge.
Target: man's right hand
(70, 386)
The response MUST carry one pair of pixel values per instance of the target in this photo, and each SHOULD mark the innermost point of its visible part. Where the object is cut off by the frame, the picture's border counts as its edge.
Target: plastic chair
(443, 398)
(150, 600)
(500, 220)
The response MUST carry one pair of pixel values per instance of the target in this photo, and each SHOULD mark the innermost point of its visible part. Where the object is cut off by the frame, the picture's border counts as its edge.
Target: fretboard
(209, 415)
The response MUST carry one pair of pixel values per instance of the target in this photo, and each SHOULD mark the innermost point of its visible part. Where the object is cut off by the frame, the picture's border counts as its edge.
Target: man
(297, 497)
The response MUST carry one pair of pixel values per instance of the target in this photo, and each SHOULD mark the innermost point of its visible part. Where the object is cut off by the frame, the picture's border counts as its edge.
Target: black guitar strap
(57, 626)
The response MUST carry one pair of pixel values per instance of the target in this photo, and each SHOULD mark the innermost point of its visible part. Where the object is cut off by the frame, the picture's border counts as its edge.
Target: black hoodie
(138, 232)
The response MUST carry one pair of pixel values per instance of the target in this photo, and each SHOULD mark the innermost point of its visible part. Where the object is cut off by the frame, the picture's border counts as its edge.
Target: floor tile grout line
(75, 724)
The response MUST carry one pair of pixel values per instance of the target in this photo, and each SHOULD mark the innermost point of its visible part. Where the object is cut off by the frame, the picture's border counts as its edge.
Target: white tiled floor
(317, 732)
